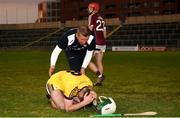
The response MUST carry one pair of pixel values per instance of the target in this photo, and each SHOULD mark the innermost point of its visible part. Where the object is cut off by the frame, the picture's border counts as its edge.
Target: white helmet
(106, 105)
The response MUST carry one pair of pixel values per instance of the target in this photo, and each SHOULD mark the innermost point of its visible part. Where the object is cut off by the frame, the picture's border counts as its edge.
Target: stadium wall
(68, 23)
(153, 19)
(31, 25)
(109, 22)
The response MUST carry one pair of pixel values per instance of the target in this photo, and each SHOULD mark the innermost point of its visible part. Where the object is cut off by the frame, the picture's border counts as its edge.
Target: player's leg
(101, 77)
(56, 98)
(99, 59)
(93, 67)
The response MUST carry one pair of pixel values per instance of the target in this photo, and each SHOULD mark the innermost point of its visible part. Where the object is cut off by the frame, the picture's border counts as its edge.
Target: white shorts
(100, 48)
(52, 86)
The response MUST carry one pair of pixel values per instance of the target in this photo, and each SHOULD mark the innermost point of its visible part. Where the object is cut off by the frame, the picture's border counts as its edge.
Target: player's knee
(62, 107)
(57, 106)
(53, 105)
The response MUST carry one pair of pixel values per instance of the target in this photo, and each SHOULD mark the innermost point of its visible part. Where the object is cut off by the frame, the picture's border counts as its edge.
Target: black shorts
(75, 60)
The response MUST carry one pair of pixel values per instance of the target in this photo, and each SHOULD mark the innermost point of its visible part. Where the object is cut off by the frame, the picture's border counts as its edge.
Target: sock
(99, 75)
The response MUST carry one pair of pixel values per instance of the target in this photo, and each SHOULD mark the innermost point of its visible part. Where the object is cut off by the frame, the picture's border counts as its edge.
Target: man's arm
(58, 101)
(86, 61)
(104, 32)
(90, 25)
(87, 100)
(90, 48)
(61, 44)
(54, 57)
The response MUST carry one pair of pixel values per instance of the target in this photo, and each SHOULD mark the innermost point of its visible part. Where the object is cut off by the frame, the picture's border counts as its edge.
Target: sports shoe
(99, 81)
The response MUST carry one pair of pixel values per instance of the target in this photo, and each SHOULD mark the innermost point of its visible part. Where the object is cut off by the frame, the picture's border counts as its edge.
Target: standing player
(78, 46)
(97, 25)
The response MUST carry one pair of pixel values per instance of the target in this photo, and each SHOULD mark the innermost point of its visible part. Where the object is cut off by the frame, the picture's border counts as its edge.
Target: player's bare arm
(87, 100)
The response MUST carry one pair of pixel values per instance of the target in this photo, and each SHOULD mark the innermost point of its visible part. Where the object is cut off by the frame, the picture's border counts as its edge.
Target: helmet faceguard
(105, 105)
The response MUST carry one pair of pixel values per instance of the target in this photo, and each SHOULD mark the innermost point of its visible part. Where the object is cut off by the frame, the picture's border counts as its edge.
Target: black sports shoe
(99, 81)
(48, 96)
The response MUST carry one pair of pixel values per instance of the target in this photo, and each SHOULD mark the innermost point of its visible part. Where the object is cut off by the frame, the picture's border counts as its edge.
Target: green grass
(137, 81)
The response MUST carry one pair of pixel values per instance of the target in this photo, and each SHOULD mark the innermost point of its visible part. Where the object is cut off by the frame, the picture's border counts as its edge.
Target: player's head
(81, 93)
(83, 34)
(93, 7)
(84, 91)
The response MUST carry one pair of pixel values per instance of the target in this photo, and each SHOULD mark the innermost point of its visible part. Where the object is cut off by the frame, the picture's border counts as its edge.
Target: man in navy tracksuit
(78, 45)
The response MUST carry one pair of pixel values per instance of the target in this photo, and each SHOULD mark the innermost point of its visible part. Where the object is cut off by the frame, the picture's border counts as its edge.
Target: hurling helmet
(105, 105)
(94, 6)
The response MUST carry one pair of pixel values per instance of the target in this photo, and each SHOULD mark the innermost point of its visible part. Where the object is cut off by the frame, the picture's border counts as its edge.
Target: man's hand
(51, 70)
(82, 71)
(93, 94)
(90, 27)
(89, 98)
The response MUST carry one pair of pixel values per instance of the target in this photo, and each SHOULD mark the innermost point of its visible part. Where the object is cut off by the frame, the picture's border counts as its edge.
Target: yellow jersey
(69, 82)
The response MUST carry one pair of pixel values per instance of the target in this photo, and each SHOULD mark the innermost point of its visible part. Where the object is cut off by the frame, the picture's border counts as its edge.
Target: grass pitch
(137, 81)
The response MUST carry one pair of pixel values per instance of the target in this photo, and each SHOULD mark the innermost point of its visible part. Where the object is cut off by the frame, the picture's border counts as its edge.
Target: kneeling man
(70, 91)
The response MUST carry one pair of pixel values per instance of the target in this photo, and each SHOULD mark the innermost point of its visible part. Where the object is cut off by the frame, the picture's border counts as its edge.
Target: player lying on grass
(70, 91)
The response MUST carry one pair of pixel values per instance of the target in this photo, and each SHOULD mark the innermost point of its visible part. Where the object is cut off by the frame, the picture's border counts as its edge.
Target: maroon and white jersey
(98, 24)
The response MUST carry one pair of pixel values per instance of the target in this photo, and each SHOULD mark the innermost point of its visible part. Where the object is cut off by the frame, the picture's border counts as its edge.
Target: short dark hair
(84, 90)
(84, 30)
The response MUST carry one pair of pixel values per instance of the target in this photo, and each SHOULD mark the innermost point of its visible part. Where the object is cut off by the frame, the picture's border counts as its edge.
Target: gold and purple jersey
(69, 82)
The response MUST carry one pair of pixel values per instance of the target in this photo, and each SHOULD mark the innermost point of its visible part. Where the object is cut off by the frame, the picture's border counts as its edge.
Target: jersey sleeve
(92, 21)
